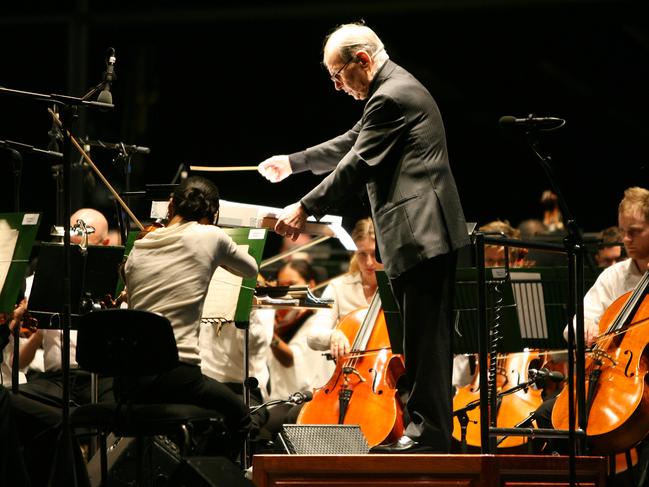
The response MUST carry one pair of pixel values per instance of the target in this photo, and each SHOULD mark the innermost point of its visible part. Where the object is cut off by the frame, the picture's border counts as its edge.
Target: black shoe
(405, 444)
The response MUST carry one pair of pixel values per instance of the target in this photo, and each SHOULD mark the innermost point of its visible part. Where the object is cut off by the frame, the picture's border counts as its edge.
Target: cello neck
(629, 309)
(365, 330)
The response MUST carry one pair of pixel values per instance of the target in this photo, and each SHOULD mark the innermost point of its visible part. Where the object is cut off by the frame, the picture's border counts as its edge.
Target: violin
(20, 316)
(363, 388)
(617, 401)
(513, 409)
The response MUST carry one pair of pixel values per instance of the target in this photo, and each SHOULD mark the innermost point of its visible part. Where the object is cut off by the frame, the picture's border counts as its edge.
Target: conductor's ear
(363, 58)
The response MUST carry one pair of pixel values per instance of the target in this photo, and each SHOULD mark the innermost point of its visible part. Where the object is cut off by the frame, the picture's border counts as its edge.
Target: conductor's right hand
(275, 168)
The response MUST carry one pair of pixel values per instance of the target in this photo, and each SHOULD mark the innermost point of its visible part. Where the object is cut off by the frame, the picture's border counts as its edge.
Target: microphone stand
(574, 244)
(463, 417)
(64, 455)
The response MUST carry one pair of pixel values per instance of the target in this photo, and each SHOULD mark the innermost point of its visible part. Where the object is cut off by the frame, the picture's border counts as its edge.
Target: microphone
(300, 397)
(544, 373)
(120, 146)
(105, 95)
(295, 398)
(532, 122)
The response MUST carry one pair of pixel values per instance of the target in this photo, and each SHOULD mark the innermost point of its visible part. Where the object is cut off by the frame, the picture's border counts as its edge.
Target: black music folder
(391, 312)
(93, 274)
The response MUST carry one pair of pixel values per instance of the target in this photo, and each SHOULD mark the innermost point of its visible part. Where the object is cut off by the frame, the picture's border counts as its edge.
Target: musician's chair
(129, 345)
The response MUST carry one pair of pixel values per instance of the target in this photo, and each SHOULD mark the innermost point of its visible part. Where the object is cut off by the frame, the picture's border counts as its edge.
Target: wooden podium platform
(424, 470)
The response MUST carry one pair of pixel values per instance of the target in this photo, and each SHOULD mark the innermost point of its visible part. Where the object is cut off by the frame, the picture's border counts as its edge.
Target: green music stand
(24, 227)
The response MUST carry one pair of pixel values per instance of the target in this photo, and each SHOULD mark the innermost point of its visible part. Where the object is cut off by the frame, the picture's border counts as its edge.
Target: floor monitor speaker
(323, 439)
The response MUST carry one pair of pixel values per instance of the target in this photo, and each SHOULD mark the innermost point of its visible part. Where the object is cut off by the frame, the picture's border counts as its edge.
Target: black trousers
(185, 384)
(39, 430)
(47, 387)
(425, 297)
(12, 466)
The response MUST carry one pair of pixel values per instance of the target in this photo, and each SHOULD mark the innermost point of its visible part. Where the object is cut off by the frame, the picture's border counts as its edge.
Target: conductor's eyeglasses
(336, 76)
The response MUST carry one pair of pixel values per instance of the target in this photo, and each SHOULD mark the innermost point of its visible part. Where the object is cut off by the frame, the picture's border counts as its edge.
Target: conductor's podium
(425, 470)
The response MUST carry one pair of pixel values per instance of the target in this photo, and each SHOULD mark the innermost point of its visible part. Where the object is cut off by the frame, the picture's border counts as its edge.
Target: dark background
(231, 83)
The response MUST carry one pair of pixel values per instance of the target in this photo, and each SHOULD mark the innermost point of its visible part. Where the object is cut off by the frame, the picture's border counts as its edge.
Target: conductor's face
(353, 76)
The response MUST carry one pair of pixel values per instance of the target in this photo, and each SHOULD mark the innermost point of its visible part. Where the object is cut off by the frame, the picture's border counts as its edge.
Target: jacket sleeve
(324, 157)
(382, 126)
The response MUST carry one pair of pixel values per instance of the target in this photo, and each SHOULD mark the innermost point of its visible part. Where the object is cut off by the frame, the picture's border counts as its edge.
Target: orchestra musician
(349, 292)
(293, 365)
(28, 431)
(397, 151)
(616, 280)
(609, 251)
(168, 272)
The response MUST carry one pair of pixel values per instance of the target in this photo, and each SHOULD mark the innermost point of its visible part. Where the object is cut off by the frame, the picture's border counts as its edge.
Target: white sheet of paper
(530, 304)
(223, 294)
(8, 240)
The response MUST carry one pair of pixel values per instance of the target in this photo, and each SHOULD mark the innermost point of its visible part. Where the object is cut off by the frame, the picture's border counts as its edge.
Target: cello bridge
(599, 354)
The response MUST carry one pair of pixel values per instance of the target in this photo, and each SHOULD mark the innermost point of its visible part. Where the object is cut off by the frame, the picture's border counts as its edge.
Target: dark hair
(196, 198)
(302, 267)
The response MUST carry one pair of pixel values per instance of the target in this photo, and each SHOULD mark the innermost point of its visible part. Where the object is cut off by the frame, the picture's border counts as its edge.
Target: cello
(363, 388)
(514, 409)
(617, 399)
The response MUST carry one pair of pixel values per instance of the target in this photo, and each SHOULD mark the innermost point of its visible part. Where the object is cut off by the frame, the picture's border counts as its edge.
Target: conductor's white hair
(347, 39)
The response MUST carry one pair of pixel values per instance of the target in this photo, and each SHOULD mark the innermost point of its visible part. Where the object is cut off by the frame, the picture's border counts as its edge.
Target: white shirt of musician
(612, 283)
(222, 353)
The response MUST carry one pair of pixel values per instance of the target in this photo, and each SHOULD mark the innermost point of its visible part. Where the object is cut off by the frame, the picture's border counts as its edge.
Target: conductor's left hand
(291, 221)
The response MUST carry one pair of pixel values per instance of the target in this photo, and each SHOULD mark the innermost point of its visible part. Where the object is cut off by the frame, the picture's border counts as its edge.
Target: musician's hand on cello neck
(339, 344)
(275, 168)
(291, 221)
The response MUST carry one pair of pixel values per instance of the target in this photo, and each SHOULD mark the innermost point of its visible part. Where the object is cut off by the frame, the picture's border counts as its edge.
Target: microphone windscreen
(507, 120)
(105, 96)
(308, 395)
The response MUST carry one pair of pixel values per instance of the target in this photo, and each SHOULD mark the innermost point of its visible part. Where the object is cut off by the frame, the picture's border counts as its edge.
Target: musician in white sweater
(168, 272)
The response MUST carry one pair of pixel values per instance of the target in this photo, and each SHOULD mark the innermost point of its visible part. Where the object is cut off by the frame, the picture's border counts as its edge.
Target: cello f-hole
(628, 364)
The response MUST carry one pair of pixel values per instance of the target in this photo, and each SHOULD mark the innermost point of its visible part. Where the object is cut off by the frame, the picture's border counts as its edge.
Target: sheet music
(530, 304)
(8, 240)
(246, 215)
(223, 294)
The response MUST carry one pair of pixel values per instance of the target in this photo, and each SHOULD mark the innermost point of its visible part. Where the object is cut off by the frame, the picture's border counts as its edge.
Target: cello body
(363, 388)
(617, 399)
(512, 369)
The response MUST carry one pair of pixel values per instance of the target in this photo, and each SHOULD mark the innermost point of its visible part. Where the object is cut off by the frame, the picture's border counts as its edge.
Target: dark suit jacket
(398, 152)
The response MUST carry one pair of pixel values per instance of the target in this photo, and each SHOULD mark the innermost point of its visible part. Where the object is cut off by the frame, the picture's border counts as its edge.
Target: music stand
(391, 312)
(93, 275)
(215, 312)
(529, 302)
(17, 234)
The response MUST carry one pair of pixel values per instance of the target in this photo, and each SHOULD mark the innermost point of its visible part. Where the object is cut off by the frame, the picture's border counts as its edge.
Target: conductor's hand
(339, 344)
(291, 221)
(275, 168)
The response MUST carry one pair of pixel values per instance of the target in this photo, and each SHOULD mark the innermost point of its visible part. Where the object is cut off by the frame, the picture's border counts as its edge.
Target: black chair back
(125, 343)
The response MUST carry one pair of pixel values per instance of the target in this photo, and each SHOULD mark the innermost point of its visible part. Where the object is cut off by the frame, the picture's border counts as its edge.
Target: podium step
(425, 470)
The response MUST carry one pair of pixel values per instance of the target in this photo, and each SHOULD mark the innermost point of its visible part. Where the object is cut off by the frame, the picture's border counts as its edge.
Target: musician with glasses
(397, 153)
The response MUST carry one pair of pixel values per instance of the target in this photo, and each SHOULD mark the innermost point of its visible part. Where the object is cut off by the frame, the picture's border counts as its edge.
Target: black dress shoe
(405, 444)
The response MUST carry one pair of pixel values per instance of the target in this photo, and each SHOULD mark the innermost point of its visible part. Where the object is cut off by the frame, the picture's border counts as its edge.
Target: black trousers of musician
(47, 387)
(12, 466)
(39, 427)
(425, 297)
(185, 384)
